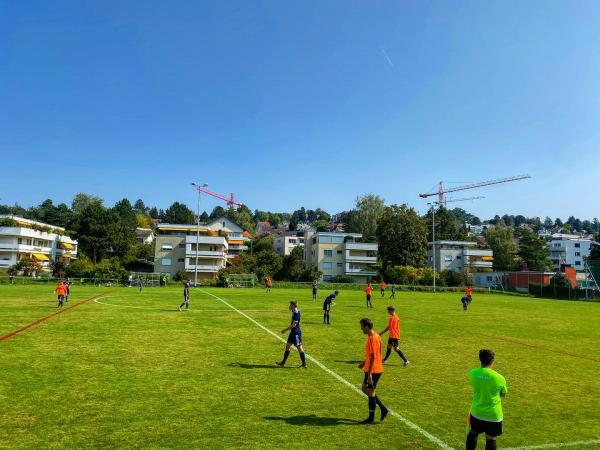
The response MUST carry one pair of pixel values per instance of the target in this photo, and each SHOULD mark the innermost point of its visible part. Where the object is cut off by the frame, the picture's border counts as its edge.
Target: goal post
(241, 280)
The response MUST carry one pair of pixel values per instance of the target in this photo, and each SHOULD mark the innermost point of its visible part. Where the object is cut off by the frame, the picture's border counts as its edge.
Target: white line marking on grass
(342, 380)
(557, 445)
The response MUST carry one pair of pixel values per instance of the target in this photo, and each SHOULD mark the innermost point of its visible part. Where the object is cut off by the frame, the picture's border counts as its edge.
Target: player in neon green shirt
(486, 408)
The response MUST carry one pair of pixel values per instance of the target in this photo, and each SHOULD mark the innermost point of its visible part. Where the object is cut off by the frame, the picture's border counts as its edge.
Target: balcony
(481, 264)
(361, 246)
(360, 272)
(360, 258)
(238, 248)
(470, 252)
(203, 268)
(205, 254)
(211, 240)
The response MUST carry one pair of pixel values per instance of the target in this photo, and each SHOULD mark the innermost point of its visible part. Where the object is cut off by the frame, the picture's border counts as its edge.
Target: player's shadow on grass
(348, 362)
(253, 366)
(315, 421)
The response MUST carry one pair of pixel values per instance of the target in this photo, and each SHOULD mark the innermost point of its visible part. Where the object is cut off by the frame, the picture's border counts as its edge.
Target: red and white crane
(229, 200)
(442, 190)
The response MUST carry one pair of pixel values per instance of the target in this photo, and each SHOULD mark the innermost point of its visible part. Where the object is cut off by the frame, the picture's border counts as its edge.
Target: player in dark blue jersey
(465, 302)
(315, 286)
(327, 306)
(186, 296)
(295, 336)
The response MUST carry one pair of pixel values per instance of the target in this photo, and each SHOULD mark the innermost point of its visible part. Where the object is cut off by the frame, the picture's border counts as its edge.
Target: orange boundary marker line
(43, 319)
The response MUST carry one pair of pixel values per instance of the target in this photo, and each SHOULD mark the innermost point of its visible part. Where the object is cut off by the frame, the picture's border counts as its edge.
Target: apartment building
(144, 235)
(569, 250)
(286, 242)
(458, 256)
(23, 238)
(177, 247)
(339, 254)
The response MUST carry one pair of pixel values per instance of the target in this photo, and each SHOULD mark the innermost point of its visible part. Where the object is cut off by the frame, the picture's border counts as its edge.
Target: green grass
(141, 374)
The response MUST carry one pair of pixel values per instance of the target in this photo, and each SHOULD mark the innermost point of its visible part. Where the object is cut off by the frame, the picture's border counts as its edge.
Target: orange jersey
(469, 292)
(383, 286)
(368, 290)
(373, 347)
(394, 326)
(61, 289)
(269, 283)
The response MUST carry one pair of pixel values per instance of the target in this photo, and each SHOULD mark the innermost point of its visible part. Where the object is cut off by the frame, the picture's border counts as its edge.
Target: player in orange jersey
(394, 336)
(372, 366)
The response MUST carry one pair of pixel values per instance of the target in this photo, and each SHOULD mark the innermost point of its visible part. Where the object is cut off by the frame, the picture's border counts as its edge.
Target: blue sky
(302, 103)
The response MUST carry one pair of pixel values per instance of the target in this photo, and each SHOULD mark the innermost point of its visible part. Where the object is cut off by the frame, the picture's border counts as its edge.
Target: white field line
(557, 445)
(191, 310)
(403, 419)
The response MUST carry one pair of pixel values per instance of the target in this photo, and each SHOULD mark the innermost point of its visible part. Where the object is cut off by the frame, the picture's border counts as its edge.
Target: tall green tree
(447, 228)
(369, 209)
(179, 213)
(532, 250)
(243, 217)
(218, 211)
(94, 227)
(123, 230)
(82, 200)
(402, 237)
(502, 242)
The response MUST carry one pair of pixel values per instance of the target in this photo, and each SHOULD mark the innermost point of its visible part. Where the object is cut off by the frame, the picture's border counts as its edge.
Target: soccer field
(126, 369)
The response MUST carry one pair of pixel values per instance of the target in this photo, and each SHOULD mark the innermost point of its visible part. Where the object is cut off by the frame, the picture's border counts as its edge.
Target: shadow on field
(349, 362)
(254, 366)
(315, 421)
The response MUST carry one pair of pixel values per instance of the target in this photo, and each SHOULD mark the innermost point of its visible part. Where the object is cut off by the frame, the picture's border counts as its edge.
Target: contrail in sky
(387, 57)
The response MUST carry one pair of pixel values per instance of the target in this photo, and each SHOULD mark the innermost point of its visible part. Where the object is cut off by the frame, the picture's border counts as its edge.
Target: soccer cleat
(384, 413)
(179, 309)
(302, 366)
(368, 421)
(406, 363)
(280, 364)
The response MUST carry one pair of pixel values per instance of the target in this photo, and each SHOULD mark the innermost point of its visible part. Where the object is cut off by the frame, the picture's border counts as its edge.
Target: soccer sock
(325, 317)
(401, 355)
(490, 444)
(387, 354)
(379, 403)
(285, 356)
(372, 405)
(471, 443)
(303, 358)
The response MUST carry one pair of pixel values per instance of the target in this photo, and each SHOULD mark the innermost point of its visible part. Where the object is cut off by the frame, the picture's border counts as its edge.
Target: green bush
(343, 279)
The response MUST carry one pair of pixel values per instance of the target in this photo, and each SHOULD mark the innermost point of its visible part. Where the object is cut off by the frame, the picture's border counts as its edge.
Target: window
(577, 263)
(577, 245)
(165, 261)
(577, 253)
(20, 240)
(180, 259)
(293, 241)
(328, 253)
(339, 264)
(326, 266)
(448, 258)
(167, 247)
(489, 278)
(182, 245)
(339, 252)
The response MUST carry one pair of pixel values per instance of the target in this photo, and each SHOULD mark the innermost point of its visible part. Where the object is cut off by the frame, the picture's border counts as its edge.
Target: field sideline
(126, 369)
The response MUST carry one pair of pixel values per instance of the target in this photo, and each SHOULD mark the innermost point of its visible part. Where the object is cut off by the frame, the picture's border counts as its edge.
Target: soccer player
(393, 291)
(394, 336)
(486, 408)
(60, 290)
(373, 368)
(268, 284)
(186, 296)
(369, 292)
(382, 287)
(67, 290)
(465, 302)
(141, 283)
(315, 286)
(469, 293)
(327, 306)
(295, 336)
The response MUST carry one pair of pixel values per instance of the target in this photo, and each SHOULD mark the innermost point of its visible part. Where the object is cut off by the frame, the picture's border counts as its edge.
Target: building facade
(178, 246)
(285, 243)
(569, 250)
(337, 254)
(144, 235)
(23, 238)
(459, 256)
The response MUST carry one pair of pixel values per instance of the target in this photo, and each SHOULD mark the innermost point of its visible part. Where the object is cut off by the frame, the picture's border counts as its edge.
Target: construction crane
(442, 191)
(229, 200)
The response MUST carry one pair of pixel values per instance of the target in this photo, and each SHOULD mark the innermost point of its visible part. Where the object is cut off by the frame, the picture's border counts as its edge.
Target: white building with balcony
(23, 238)
(285, 243)
(459, 256)
(569, 250)
(337, 254)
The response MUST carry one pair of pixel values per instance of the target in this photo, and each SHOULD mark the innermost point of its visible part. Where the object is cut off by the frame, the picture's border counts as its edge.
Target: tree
(26, 266)
(595, 249)
(123, 230)
(402, 237)
(533, 250)
(501, 240)
(446, 226)
(82, 201)
(293, 225)
(260, 216)
(140, 207)
(179, 213)
(548, 222)
(204, 217)
(369, 209)
(558, 222)
(294, 269)
(218, 211)
(242, 216)
(464, 217)
(94, 226)
(322, 215)
(153, 213)
(82, 267)
(321, 225)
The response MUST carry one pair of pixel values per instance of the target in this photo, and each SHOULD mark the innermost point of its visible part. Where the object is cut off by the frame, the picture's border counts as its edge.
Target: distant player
(141, 283)
(186, 296)
(393, 291)
(327, 306)
(61, 291)
(315, 287)
(394, 336)
(486, 408)
(294, 338)
(465, 302)
(268, 284)
(369, 293)
(382, 288)
(469, 293)
(373, 368)
(67, 290)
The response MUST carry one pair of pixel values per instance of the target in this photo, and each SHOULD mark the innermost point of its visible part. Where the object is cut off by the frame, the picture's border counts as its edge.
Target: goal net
(241, 280)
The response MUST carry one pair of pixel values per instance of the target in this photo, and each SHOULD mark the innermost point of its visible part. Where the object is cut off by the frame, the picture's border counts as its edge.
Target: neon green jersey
(488, 387)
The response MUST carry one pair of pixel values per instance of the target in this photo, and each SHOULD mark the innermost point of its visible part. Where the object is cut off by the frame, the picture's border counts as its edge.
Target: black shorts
(483, 426)
(61, 297)
(393, 342)
(368, 298)
(375, 377)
